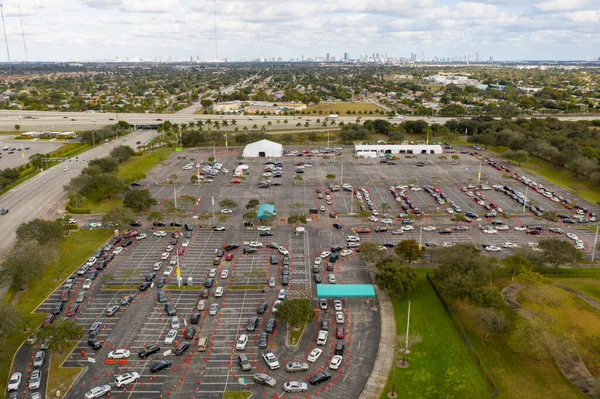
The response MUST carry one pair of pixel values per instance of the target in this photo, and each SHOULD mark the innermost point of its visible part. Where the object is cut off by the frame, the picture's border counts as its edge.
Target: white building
(379, 150)
(263, 148)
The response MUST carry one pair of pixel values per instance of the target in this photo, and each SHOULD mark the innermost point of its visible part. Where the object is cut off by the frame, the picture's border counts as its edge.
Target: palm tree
(298, 124)
(269, 123)
(278, 122)
(208, 122)
(255, 126)
(285, 122)
(306, 124)
(233, 122)
(217, 125)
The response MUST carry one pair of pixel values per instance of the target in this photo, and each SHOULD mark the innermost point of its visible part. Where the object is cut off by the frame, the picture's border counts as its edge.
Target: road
(53, 120)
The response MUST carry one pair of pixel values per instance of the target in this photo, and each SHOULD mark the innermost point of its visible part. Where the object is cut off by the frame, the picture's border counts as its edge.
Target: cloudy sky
(105, 29)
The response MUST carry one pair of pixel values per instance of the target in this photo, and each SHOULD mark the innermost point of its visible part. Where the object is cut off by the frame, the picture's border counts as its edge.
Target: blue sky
(104, 29)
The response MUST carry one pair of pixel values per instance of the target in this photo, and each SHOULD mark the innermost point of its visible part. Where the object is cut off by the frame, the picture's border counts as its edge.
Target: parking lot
(143, 320)
(12, 157)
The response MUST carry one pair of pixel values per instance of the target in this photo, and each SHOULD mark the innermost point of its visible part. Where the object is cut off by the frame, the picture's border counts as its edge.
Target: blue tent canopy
(345, 290)
(266, 211)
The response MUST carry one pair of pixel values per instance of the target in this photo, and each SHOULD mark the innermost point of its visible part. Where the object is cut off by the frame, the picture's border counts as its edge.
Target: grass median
(441, 365)
(137, 165)
(74, 250)
(237, 395)
(60, 378)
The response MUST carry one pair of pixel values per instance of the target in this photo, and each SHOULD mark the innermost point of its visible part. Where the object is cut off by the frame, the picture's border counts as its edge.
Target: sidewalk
(385, 354)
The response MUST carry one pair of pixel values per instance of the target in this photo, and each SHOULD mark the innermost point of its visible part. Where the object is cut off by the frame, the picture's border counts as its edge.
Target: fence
(463, 335)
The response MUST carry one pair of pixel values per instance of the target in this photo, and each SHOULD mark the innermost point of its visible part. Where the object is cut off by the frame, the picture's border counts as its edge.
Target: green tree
(312, 136)
(106, 164)
(249, 216)
(119, 217)
(518, 156)
(394, 277)
(370, 252)
(25, 263)
(42, 231)
(297, 311)
(12, 319)
(558, 252)
(155, 216)
(516, 264)
(62, 333)
(122, 126)
(492, 320)
(206, 103)
(139, 200)
(187, 200)
(122, 153)
(298, 179)
(409, 250)
(331, 176)
(227, 203)
(252, 204)
(463, 271)
(297, 218)
(17, 127)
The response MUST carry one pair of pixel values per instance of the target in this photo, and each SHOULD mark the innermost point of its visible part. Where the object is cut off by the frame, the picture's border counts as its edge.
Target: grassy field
(142, 164)
(342, 108)
(558, 176)
(441, 365)
(237, 395)
(74, 250)
(104, 205)
(60, 378)
(517, 376)
(295, 334)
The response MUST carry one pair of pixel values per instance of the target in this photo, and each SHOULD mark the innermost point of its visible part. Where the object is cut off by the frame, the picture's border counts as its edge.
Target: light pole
(93, 139)
(595, 242)
(479, 172)
(525, 199)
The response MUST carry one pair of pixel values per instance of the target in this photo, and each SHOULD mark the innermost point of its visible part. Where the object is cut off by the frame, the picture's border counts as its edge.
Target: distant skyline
(88, 30)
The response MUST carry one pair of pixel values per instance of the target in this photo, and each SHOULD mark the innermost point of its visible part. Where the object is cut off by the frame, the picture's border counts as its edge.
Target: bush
(78, 211)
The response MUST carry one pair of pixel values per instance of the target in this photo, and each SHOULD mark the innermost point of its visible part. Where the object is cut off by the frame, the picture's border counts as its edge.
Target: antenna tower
(216, 47)
(5, 38)
(23, 33)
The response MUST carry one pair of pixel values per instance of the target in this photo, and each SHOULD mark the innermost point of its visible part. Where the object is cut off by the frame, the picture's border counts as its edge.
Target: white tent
(263, 148)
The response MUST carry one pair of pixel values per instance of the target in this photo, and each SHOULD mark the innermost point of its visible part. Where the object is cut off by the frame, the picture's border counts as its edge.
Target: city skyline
(89, 30)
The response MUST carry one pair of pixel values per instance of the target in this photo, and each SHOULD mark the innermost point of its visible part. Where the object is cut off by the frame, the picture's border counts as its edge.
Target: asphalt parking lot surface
(12, 157)
(206, 374)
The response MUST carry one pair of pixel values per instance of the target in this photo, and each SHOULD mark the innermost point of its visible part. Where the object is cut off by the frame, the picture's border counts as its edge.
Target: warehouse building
(381, 150)
(262, 149)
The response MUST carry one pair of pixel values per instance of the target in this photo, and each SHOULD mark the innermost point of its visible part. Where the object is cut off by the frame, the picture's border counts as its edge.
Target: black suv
(144, 286)
(318, 378)
(270, 326)
(249, 251)
(339, 349)
(160, 365)
(94, 343)
(162, 297)
(195, 318)
(58, 308)
(170, 309)
(148, 350)
(336, 248)
(263, 340)
(262, 308)
(252, 324)
(181, 348)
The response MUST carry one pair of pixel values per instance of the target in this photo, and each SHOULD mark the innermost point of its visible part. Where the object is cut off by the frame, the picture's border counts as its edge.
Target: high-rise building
(345, 56)
(327, 58)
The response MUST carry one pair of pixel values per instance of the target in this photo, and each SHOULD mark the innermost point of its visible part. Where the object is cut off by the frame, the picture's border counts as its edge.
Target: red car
(48, 320)
(363, 231)
(534, 232)
(236, 181)
(64, 295)
(180, 251)
(339, 332)
(229, 257)
(159, 119)
(72, 310)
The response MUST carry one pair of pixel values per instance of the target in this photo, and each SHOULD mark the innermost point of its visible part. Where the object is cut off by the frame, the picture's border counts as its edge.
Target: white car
(72, 220)
(224, 273)
(450, 211)
(170, 338)
(219, 292)
(510, 245)
(95, 224)
(335, 363)
(175, 322)
(489, 231)
(159, 234)
(397, 232)
(271, 360)
(185, 243)
(428, 228)
(448, 244)
(127, 378)
(241, 342)
(173, 260)
(337, 305)
(314, 355)
(502, 227)
(493, 248)
(263, 228)
(352, 239)
(387, 221)
(283, 250)
(165, 256)
(141, 237)
(520, 228)
(219, 228)
(35, 380)
(408, 228)
(15, 382)
(346, 252)
(373, 219)
(572, 236)
(318, 260)
(226, 211)
(67, 168)
(91, 261)
(339, 318)
(322, 337)
(256, 244)
(119, 354)
(87, 284)
(332, 279)
(169, 248)
(168, 271)
(325, 254)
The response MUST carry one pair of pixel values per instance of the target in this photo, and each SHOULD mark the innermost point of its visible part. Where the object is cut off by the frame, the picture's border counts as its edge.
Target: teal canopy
(266, 211)
(345, 290)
